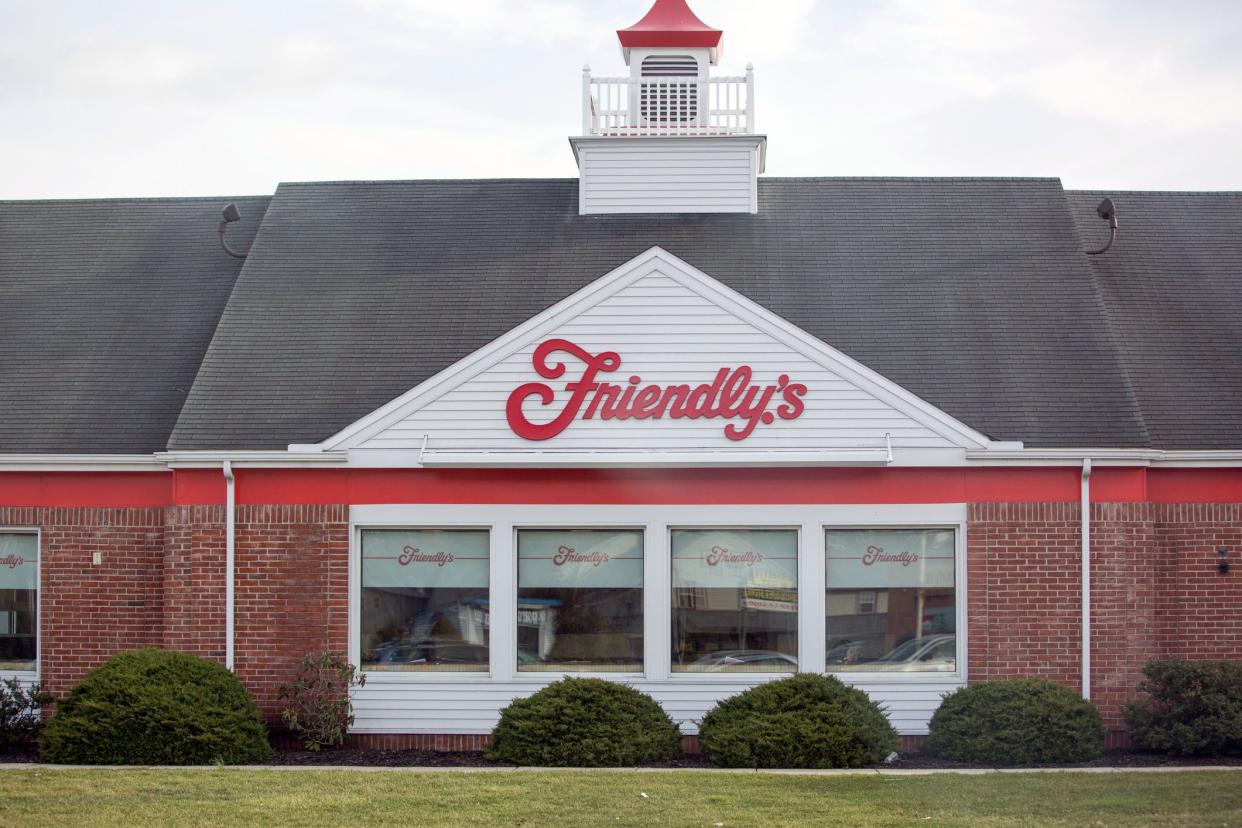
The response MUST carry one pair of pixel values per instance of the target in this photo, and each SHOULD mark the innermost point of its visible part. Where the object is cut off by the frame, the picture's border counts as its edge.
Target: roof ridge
(1154, 192)
(130, 199)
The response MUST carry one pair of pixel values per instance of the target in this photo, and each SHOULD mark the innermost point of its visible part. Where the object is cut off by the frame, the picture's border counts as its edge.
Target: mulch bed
(907, 761)
(422, 758)
(347, 757)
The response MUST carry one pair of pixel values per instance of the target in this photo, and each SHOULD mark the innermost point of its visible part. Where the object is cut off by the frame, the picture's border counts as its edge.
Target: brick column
(194, 580)
(292, 591)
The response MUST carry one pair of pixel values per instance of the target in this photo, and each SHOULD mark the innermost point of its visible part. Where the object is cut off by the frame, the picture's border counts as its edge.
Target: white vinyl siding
(668, 334)
(674, 175)
(388, 704)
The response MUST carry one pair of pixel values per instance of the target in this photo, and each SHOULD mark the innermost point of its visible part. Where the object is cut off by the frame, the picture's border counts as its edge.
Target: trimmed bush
(1194, 708)
(804, 721)
(1019, 722)
(587, 723)
(156, 707)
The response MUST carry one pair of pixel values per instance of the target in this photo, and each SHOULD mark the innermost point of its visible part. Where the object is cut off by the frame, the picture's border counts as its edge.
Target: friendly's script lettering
(568, 555)
(730, 396)
(410, 555)
(875, 554)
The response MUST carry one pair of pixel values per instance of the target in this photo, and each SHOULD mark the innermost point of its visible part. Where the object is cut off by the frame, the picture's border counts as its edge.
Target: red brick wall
(1124, 570)
(194, 558)
(1200, 609)
(1156, 592)
(1024, 604)
(292, 592)
(90, 612)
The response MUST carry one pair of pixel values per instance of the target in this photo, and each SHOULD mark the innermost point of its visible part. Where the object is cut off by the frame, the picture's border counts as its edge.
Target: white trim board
(949, 436)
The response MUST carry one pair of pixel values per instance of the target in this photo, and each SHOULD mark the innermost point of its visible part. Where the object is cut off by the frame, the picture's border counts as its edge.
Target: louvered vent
(670, 89)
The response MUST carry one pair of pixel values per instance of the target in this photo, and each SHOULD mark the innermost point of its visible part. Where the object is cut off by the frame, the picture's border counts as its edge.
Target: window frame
(799, 533)
(656, 521)
(31, 676)
(355, 596)
(642, 531)
(959, 599)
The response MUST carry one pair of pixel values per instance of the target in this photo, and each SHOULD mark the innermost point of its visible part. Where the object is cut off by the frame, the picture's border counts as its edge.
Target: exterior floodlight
(1108, 212)
(229, 215)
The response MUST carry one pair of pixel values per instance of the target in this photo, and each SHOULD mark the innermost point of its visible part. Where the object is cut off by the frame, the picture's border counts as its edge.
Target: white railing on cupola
(668, 107)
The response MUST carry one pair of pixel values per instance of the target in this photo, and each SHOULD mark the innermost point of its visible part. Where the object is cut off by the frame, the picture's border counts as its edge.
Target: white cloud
(475, 22)
(139, 98)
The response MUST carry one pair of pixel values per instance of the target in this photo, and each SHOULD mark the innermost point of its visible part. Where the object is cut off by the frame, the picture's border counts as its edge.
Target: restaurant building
(670, 423)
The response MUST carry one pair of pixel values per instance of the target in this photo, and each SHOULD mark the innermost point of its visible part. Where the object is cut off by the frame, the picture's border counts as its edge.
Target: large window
(19, 601)
(891, 600)
(580, 600)
(735, 600)
(425, 600)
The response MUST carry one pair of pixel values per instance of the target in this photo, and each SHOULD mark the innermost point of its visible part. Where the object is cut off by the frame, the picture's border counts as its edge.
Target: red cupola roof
(670, 23)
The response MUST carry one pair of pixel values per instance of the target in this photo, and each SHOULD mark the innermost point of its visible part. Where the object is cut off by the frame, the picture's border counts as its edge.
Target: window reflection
(891, 602)
(735, 600)
(425, 600)
(580, 601)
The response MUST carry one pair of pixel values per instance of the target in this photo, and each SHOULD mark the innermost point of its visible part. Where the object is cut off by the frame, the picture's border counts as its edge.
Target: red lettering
(647, 403)
(607, 361)
(732, 394)
(794, 406)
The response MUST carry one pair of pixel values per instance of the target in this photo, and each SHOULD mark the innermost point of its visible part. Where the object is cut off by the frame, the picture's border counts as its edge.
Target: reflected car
(757, 660)
(934, 653)
(428, 652)
(850, 652)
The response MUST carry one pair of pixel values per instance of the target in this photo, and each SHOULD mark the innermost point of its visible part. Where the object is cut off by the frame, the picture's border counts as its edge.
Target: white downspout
(230, 508)
(1086, 578)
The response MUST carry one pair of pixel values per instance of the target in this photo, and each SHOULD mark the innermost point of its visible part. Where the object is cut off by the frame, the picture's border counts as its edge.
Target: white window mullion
(812, 602)
(657, 602)
(503, 614)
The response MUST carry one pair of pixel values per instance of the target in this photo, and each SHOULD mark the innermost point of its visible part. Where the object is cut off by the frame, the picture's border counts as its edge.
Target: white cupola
(670, 137)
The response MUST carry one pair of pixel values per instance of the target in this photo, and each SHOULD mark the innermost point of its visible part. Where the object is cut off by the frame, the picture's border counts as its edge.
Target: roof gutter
(1104, 456)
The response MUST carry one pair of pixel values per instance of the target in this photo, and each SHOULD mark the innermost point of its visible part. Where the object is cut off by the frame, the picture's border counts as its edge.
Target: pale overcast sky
(224, 97)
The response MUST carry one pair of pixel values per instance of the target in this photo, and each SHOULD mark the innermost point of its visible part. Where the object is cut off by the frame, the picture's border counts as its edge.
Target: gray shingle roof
(1172, 284)
(106, 310)
(974, 294)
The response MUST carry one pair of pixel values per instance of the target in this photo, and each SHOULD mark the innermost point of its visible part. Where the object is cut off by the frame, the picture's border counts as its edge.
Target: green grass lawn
(34, 797)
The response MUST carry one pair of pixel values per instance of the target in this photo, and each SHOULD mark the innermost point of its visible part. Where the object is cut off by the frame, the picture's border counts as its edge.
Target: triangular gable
(718, 379)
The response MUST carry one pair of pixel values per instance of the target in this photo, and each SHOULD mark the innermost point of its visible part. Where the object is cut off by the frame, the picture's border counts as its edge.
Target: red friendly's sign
(729, 396)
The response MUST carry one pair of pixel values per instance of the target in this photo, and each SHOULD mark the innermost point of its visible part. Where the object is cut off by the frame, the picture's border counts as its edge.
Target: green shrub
(1020, 722)
(320, 708)
(156, 707)
(1194, 708)
(585, 723)
(20, 712)
(804, 721)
